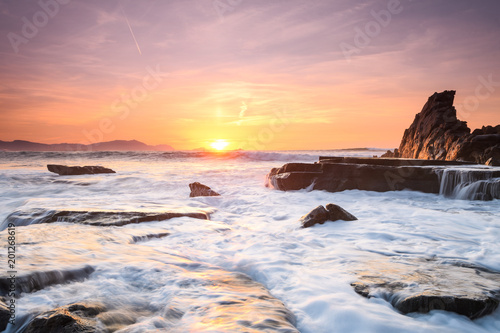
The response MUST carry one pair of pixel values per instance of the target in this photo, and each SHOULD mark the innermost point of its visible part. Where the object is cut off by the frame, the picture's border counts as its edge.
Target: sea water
(253, 231)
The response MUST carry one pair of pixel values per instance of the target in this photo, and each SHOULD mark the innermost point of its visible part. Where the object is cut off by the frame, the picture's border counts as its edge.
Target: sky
(260, 74)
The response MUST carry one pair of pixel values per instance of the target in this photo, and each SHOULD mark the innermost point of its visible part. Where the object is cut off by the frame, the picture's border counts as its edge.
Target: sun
(219, 144)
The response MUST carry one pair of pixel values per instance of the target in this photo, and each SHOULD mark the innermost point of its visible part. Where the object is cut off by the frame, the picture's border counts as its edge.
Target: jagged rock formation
(200, 190)
(437, 133)
(64, 170)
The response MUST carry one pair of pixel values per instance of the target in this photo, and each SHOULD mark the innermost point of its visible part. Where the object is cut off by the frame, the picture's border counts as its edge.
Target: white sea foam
(253, 230)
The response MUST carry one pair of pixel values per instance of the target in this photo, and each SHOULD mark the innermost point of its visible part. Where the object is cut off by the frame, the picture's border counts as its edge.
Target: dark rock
(336, 212)
(200, 190)
(64, 170)
(74, 318)
(336, 175)
(426, 285)
(136, 239)
(4, 314)
(318, 215)
(391, 154)
(493, 162)
(437, 133)
(96, 218)
(38, 280)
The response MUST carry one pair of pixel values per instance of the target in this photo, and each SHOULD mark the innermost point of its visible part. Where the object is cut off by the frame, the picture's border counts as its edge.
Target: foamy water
(171, 283)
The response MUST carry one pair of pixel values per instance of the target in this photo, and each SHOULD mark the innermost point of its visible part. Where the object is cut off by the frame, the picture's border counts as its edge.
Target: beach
(181, 274)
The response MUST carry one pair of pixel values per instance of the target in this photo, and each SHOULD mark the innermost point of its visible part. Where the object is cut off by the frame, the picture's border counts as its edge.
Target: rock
(64, 170)
(437, 133)
(426, 285)
(4, 314)
(320, 215)
(335, 174)
(30, 282)
(200, 190)
(95, 218)
(336, 213)
(493, 162)
(74, 318)
(391, 154)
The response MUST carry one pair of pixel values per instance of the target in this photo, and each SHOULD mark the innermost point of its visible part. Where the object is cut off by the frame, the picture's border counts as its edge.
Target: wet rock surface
(428, 284)
(200, 190)
(96, 218)
(73, 318)
(335, 213)
(336, 174)
(64, 170)
(39, 280)
(320, 215)
(457, 179)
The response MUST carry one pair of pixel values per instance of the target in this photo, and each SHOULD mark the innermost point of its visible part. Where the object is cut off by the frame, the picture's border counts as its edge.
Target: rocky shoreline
(436, 141)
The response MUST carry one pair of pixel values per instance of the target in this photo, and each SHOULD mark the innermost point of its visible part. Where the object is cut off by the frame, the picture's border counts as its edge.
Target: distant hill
(117, 145)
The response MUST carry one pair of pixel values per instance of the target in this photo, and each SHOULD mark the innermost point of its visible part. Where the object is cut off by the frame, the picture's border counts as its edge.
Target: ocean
(250, 265)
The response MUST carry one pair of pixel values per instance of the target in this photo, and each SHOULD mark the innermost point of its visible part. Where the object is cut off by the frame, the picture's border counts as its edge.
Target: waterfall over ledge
(469, 183)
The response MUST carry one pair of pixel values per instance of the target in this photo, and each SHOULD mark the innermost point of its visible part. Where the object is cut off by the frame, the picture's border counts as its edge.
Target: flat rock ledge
(335, 174)
(425, 285)
(320, 215)
(95, 218)
(64, 170)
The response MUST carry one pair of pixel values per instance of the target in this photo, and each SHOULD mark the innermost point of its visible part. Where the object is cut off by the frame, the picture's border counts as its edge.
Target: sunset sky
(260, 74)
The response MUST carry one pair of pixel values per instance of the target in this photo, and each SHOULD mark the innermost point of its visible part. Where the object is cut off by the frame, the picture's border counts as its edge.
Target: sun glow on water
(219, 144)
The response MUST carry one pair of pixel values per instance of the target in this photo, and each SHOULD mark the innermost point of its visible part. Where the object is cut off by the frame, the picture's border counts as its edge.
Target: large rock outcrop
(437, 133)
(335, 174)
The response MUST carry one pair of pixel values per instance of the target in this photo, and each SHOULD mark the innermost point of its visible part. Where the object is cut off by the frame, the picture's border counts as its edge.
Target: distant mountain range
(117, 145)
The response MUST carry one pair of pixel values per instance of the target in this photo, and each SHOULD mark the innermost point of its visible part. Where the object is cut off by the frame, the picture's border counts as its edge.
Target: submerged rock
(423, 286)
(64, 170)
(320, 215)
(38, 280)
(200, 190)
(96, 218)
(74, 318)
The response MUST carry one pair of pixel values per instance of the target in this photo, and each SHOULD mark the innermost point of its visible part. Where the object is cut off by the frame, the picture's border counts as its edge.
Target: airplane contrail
(130, 28)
